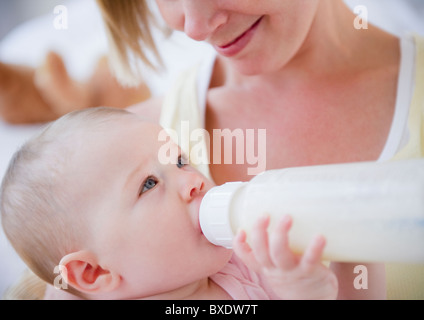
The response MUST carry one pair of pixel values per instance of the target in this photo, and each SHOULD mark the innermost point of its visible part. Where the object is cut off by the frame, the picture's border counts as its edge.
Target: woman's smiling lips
(232, 48)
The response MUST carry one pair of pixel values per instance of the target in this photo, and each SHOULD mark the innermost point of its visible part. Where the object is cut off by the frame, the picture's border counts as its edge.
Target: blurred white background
(27, 33)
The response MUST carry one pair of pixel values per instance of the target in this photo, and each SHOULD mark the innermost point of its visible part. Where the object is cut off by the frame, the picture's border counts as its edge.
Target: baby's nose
(191, 186)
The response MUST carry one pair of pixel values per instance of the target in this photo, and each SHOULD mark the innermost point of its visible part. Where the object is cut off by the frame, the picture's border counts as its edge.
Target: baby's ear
(82, 272)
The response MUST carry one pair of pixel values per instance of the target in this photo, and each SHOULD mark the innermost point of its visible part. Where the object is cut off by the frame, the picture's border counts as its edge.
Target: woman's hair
(40, 211)
(129, 29)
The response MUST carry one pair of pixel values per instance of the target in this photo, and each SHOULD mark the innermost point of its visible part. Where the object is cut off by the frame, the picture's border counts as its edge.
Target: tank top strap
(182, 117)
(415, 146)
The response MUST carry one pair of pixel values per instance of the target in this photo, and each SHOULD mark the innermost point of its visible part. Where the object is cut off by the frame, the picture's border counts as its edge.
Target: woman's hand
(290, 275)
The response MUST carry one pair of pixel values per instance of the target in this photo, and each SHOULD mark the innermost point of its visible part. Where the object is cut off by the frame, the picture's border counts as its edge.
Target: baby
(89, 194)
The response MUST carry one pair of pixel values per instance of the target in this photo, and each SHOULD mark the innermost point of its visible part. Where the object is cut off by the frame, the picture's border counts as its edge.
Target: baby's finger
(244, 252)
(259, 242)
(314, 252)
(280, 251)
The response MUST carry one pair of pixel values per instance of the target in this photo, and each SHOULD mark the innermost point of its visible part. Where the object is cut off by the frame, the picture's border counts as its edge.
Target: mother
(324, 91)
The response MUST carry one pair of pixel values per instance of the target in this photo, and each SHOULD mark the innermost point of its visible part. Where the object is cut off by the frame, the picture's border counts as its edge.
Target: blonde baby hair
(39, 212)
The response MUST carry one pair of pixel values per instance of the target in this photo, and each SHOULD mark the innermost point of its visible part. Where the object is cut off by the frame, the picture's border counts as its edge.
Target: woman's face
(256, 36)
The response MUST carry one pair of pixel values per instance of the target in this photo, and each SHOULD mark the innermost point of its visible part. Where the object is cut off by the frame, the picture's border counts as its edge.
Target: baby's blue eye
(150, 183)
(182, 161)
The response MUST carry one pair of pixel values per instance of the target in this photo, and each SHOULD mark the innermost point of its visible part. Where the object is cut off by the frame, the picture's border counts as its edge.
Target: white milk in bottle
(367, 211)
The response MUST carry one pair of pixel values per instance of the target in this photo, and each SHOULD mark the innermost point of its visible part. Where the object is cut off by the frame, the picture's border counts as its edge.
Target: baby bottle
(367, 211)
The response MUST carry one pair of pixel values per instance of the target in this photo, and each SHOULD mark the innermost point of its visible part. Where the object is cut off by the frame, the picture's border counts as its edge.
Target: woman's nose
(191, 185)
(202, 18)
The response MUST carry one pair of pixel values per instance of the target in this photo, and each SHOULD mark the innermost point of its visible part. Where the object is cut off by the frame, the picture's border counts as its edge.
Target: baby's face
(143, 213)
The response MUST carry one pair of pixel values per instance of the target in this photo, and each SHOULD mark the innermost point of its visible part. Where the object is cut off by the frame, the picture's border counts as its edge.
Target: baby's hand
(291, 276)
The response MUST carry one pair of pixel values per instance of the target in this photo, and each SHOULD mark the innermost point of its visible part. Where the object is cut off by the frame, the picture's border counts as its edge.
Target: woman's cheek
(172, 14)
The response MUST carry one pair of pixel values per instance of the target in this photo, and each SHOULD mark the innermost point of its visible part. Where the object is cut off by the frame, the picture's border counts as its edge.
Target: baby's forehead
(118, 125)
(135, 121)
(109, 147)
(113, 135)
(147, 123)
(81, 142)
